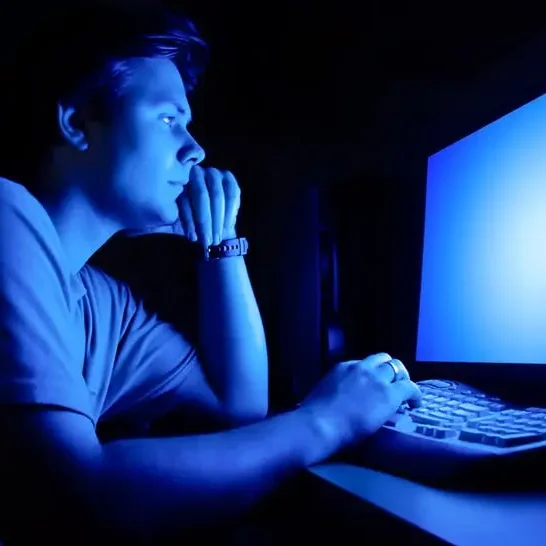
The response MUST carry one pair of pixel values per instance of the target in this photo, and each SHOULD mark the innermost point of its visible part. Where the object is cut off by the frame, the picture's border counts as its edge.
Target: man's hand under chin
(208, 208)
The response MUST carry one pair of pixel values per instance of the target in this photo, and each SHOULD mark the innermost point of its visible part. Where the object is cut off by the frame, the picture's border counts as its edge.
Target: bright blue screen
(483, 291)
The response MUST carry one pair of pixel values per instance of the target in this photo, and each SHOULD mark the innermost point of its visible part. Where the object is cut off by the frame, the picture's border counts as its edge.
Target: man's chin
(156, 223)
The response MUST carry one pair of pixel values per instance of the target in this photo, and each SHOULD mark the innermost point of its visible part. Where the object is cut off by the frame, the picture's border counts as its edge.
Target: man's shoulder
(98, 278)
(20, 210)
(16, 195)
(31, 255)
(106, 291)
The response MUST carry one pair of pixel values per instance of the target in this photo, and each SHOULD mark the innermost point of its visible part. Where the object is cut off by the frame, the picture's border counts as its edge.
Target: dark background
(326, 113)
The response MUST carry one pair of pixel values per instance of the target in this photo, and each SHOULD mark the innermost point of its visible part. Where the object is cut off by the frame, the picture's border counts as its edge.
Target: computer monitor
(482, 307)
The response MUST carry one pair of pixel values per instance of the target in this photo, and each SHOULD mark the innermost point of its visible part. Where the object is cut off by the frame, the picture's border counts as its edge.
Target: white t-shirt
(80, 342)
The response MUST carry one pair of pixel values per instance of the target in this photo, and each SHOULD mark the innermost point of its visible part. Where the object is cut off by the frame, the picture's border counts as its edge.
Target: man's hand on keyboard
(357, 397)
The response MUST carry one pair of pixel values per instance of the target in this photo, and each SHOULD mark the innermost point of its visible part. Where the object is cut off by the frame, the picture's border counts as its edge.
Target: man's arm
(54, 469)
(231, 335)
(231, 338)
(212, 304)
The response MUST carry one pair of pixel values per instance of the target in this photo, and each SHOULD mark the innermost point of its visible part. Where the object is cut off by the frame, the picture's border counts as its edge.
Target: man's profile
(95, 116)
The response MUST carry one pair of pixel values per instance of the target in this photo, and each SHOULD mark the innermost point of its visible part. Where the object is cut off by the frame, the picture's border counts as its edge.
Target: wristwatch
(227, 249)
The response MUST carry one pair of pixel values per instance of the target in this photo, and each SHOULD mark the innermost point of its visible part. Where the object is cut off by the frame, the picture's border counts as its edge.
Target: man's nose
(191, 152)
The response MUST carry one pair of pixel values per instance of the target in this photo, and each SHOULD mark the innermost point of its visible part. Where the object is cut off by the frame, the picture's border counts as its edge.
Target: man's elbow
(241, 409)
(247, 415)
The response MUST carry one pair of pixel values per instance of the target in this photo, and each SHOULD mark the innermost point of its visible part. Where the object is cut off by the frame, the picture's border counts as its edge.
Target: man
(97, 110)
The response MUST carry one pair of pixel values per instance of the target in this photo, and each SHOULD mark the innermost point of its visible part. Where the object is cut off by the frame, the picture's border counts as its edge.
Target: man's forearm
(232, 339)
(163, 485)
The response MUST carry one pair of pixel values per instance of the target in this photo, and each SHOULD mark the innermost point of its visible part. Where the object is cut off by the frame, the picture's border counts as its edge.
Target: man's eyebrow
(181, 110)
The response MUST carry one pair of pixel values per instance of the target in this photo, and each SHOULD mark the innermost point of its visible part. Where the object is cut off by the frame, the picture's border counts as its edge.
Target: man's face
(137, 164)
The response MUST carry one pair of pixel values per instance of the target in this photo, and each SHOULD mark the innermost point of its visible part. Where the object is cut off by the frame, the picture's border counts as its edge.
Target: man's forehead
(163, 96)
(160, 81)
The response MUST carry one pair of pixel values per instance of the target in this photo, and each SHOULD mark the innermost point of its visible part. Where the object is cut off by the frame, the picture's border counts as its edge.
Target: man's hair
(83, 56)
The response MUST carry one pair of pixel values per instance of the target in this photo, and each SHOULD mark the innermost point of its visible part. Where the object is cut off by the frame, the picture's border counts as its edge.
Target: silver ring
(396, 369)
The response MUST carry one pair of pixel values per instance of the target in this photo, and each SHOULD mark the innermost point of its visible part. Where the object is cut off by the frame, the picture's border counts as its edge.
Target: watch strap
(227, 249)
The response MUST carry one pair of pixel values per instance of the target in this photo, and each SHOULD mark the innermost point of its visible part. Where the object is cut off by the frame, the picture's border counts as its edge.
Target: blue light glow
(483, 293)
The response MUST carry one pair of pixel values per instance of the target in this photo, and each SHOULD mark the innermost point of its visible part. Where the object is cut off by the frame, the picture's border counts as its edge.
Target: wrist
(228, 248)
(229, 234)
(322, 438)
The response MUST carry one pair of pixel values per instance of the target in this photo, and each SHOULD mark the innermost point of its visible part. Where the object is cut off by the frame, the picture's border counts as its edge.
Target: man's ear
(71, 127)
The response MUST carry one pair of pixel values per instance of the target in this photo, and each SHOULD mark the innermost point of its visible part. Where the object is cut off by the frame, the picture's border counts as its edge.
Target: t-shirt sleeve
(152, 358)
(41, 349)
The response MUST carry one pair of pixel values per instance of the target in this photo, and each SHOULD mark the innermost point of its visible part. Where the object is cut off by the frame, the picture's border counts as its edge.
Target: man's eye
(168, 120)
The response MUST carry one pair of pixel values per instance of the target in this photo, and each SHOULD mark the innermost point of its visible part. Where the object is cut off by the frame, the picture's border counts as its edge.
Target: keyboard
(458, 435)
(455, 412)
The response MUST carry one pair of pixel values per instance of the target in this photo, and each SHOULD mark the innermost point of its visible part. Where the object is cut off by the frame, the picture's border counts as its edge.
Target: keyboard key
(480, 411)
(511, 440)
(536, 410)
(463, 414)
(402, 422)
(511, 429)
(441, 433)
(534, 430)
(537, 424)
(450, 418)
(474, 425)
(514, 412)
(437, 383)
(426, 419)
(469, 435)
(487, 430)
(494, 406)
(497, 430)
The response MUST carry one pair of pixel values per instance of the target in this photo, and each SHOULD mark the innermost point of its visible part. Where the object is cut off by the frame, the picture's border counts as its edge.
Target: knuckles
(216, 183)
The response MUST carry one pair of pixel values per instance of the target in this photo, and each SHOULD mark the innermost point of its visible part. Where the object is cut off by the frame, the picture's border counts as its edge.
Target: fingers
(402, 370)
(232, 196)
(375, 360)
(200, 205)
(186, 217)
(385, 373)
(407, 391)
(404, 374)
(209, 206)
(380, 365)
(215, 186)
(371, 363)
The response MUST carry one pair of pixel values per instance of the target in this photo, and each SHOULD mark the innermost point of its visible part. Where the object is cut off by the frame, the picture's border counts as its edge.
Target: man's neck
(81, 229)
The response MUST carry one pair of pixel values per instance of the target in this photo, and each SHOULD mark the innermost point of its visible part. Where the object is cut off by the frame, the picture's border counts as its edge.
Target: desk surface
(457, 517)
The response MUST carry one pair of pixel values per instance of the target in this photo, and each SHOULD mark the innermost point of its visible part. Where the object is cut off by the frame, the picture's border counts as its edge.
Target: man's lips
(178, 183)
